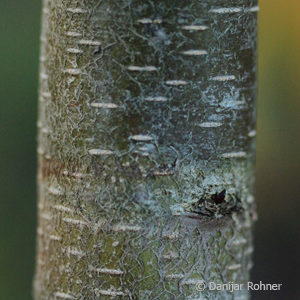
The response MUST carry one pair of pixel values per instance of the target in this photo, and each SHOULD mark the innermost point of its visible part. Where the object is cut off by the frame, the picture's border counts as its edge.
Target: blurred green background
(277, 242)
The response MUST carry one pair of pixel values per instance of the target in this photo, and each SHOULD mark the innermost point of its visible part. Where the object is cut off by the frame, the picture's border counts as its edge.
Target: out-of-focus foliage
(19, 39)
(278, 142)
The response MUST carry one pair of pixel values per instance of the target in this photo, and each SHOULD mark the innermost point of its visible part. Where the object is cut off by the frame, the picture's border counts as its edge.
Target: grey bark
(146, 148)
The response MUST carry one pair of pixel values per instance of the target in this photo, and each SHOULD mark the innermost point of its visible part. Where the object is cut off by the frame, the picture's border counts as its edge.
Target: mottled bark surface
(146, 148)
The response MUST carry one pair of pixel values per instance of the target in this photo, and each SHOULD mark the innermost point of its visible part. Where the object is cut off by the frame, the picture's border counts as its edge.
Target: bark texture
(146, 148)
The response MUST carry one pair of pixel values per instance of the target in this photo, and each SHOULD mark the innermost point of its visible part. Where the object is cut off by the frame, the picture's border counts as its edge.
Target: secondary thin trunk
(146, 148)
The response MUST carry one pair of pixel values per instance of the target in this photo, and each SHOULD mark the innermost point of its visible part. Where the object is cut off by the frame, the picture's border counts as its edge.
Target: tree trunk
(146, 148)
